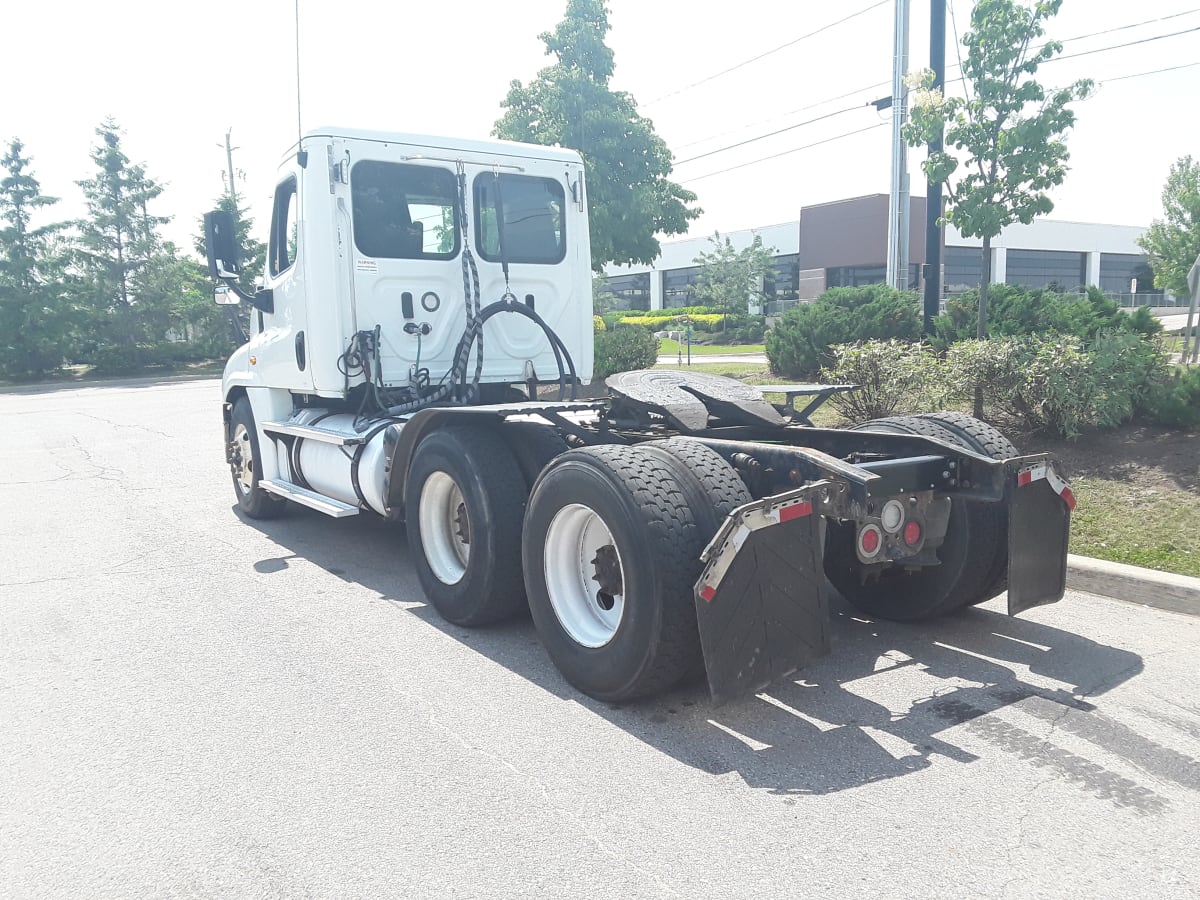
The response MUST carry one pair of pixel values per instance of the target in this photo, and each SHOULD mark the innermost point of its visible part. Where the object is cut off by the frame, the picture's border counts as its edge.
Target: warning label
(366, 265)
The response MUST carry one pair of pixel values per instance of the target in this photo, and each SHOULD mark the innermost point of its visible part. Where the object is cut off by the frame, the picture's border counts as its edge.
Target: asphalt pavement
(193, 705)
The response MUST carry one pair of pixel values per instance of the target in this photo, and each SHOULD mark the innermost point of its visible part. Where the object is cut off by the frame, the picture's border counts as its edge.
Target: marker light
(870, 540)
(912, 533)
(892, 516)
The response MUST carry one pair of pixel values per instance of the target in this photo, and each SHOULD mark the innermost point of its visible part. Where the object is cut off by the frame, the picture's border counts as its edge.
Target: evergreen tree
(570, 104)
(118, 241)
(34, 313)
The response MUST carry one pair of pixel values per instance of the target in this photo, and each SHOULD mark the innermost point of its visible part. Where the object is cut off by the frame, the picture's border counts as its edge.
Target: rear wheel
(244, 463)
(987, 441)
(611, 554)
(463, 507)
(965, 556)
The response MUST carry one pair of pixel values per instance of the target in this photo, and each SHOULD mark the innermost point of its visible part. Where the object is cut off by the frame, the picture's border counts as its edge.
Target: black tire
(533, 446)
(654, 643)
(987, 441)
(903, 596)
(482, 521)
(723, 489)
(245, 468)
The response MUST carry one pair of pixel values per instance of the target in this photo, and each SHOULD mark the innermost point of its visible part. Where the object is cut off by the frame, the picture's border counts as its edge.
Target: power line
(1080, 37)
(948, 82)
(1157, 37)
(762, 137)
(753, 59)
(836, 137)
(1151, 72)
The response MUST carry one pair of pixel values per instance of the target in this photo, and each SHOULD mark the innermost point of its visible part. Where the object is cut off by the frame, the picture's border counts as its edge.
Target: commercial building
(844, 243)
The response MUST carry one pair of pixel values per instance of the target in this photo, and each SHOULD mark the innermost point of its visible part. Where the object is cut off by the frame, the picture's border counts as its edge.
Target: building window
(963, 269)
(629, 291)
(859, 276)
(783, 280)
(679, 287)
(1126, 273)
(1055, 269)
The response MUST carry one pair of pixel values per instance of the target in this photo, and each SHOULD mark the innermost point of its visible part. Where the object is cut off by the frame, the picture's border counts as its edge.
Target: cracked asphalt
(196, 706)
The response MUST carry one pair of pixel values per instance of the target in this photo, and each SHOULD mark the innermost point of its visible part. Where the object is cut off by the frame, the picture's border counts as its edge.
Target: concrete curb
(1161, 590)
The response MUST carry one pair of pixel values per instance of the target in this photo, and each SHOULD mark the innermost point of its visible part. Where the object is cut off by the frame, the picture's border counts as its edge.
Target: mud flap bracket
(761, 602)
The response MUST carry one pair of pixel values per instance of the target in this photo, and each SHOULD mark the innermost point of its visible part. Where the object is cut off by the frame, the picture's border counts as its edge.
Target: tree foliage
(1173, 242)
(1005, 140)
(35, 313)
(570, 104)
(730, 278)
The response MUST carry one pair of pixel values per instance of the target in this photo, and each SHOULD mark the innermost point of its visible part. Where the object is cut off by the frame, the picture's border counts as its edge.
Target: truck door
(280, 346)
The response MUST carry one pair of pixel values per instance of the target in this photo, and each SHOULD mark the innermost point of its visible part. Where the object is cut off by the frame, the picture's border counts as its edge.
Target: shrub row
(1052, 384)
(800, 344)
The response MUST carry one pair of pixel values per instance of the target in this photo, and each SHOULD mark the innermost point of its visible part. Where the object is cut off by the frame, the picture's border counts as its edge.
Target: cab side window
(284, 227)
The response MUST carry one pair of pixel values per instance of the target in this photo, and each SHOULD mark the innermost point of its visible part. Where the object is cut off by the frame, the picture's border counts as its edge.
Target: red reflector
(707, 593)
(869, 541)
(912, 534)
(795, 511)
(1069, 497)
(1023, 478)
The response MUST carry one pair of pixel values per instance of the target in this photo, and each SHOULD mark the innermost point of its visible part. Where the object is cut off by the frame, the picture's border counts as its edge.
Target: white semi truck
(424, 323)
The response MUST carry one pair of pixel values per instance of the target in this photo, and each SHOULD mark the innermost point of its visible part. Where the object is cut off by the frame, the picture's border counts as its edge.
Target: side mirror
(223, 296)
(220, 242)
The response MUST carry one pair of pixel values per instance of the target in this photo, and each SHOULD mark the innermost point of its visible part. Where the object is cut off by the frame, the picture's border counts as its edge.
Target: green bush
(1174, 401)
(1055, 384)
(1015, 311)
(799, 345)
(894, 377)
(623, 349)
(676, 311)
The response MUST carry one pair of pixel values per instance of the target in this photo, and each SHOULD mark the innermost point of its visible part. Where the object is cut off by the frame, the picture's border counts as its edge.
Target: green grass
(668, 347)
(1154, 528)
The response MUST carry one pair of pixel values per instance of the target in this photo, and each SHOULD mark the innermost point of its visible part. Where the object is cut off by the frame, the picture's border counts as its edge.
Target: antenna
(301, 155)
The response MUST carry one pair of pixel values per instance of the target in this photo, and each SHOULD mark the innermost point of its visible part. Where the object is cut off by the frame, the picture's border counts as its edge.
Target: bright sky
(177, 77)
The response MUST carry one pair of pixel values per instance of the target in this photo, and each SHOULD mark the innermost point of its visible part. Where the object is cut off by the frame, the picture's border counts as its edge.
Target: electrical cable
(763, 137)
(836, 137)
(733, 68)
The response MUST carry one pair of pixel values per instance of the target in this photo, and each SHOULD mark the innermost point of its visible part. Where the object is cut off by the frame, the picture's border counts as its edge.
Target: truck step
(331, 507)
(312, 433)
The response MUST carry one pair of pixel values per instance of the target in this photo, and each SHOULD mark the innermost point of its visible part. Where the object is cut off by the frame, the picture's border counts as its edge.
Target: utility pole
(229, 168)
(933, 192)
(898, 212)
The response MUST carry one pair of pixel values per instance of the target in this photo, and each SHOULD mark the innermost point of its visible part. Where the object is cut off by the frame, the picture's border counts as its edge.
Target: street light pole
(933, 191)
(898, 213)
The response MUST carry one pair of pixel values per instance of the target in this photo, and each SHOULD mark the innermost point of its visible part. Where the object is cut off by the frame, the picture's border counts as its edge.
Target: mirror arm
(263, 299)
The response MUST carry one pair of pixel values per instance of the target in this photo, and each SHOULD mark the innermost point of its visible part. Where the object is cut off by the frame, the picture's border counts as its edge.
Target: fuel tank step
(327, 505)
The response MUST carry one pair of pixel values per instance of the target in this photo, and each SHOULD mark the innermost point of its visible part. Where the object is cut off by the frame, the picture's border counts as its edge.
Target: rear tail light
(912, 533)
(870, 540)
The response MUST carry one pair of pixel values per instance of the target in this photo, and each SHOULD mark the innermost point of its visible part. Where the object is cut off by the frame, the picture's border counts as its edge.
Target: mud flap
(761, 601)
(1039, 522)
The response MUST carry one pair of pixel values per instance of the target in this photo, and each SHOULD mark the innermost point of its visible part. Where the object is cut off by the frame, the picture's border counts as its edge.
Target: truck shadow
(889, 700)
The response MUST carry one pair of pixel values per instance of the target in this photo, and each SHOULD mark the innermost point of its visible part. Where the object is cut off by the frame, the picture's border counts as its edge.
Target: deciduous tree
(731, 278)
(570, 104)
(1173, 242)
(1005, 140)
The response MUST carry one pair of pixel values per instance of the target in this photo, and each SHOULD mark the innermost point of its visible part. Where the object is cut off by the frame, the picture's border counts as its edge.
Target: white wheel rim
(581, 560)
(244, 465)
(445, 528)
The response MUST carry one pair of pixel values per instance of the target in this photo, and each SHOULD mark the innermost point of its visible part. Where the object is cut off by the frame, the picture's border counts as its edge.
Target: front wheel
(244, 463)
(611, 554)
